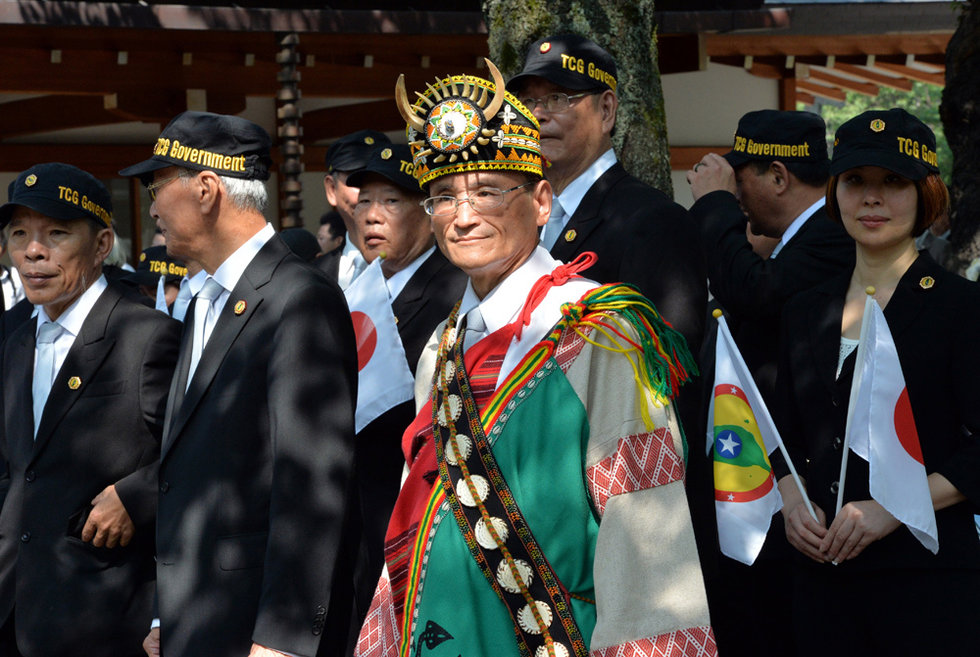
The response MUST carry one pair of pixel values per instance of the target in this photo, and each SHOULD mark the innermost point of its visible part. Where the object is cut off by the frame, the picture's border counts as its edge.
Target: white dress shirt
(13, 288)
(71, 321)
(351, 264)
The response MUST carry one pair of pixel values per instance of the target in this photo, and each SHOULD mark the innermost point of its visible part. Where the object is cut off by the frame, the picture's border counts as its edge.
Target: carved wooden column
(288, 117)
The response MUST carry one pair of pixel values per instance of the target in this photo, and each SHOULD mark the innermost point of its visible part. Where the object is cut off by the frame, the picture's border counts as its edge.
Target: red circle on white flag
(366, 336)
(905, 427)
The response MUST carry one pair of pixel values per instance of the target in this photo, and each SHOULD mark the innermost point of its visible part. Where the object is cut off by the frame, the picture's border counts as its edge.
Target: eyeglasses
(485, 199)
(389, 205)
(152, 188)
(554, 103)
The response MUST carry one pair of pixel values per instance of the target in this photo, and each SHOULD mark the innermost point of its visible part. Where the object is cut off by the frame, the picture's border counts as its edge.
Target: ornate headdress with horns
(466, 123)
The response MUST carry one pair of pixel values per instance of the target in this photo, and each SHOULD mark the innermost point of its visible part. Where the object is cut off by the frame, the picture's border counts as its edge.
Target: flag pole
(764, 411)
(855, 387)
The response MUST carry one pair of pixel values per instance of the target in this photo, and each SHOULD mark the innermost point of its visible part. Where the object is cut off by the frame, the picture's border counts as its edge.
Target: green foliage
(923, 101)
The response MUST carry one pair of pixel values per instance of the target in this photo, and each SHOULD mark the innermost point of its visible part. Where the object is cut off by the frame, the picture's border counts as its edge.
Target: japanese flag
(882, 431)
(384, 379)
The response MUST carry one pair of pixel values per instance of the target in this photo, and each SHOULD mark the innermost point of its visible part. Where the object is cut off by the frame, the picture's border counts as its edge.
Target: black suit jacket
(254, 470)
(423, 303)
(329, 263)
(754, 290)
(934, 328)
(641, 237)
(69, 595)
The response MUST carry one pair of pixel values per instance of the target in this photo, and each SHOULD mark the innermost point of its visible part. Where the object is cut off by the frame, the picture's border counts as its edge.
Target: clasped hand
(857, 526)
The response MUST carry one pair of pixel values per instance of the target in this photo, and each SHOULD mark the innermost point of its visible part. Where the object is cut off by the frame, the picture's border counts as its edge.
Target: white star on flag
(728, 444)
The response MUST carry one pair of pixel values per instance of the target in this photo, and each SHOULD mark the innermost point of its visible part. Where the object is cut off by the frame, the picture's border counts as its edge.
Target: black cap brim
(149, 278)
(144, 169)
(736, 159)
(46, 206)
(887, 159)
(562, 78)
(356, 179)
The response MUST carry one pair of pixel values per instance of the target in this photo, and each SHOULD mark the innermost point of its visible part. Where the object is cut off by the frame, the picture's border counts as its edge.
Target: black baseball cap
(60, 191)
(394, 162)
(892, 139)
(786, 136)
(203, 141)
(351, 152)
(154, 263)
(570, 61)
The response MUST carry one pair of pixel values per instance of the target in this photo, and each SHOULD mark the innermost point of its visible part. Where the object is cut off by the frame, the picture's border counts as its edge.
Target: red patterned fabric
(692, 642)
(377, 636)
(640, 461)
(569, 346)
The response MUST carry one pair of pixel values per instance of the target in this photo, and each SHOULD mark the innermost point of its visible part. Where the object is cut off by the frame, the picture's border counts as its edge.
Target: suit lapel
(412, 297)
(238, 311)
(179, 382)
(912, 295)
(84, 359)
(586, 218)
(18, 399)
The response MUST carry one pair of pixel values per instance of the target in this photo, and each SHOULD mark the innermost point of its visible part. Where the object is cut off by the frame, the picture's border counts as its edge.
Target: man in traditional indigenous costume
(544, 509)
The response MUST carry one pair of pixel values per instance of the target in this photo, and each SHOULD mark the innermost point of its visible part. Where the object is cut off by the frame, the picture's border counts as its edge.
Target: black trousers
(8, 639)
(895, 612)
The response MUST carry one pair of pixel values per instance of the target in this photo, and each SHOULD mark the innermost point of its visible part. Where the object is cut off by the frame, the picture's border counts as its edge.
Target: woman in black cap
(862, 574)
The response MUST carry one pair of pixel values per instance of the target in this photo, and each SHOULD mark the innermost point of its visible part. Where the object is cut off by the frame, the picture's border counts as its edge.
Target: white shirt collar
(234, 266)
(350, 257)
(796, 225)
(73, 317)
(572, 196)
(400, 279)
(195, 282)
(503, 304)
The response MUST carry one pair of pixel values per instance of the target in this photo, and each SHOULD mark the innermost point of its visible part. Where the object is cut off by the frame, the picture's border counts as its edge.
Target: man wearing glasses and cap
(84, 391)
(544, 511)
(638, 234)
(257, 447)
(344, 156)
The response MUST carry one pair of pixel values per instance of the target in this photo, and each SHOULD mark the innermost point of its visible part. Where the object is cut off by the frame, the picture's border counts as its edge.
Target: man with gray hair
(258, 439)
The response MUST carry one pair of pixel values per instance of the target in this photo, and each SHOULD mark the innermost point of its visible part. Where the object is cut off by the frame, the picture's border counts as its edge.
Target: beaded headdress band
(466, 123)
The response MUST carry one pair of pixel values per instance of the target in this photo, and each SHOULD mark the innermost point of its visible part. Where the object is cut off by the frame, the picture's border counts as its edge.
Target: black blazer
(644, 238)
(254, 470)
(329, 263)
(68, 594)
(934, 328)
(753, 290)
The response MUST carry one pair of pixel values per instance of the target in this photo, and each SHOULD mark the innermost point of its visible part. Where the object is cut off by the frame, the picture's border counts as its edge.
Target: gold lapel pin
(240, 307)
(926, 282)
(570, 235)
(74, 383)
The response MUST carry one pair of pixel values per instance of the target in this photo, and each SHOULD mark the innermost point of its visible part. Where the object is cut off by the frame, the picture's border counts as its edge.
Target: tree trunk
(628, 32)
(960, 112)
